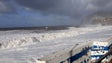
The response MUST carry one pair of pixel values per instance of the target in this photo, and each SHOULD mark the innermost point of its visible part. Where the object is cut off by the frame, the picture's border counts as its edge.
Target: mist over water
(28, 13)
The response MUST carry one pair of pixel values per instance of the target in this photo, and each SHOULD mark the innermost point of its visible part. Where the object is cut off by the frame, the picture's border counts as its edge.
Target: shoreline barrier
(74, 54)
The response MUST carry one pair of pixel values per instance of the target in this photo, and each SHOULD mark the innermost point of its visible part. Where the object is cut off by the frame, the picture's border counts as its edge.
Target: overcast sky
(65, 7)
(74, 9)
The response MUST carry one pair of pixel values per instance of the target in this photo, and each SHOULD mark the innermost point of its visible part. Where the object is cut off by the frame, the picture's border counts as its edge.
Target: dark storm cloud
(38, 4)
(73, 8)
(59, 11)
(6, 6)
(67, 7)
(64, 7)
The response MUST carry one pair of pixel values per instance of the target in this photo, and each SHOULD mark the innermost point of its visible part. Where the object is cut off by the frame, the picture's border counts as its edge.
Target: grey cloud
(6, 6)
(64, 7)
(75, 9)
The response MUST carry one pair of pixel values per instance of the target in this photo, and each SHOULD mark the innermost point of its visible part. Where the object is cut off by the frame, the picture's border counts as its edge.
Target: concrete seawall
(69, 55)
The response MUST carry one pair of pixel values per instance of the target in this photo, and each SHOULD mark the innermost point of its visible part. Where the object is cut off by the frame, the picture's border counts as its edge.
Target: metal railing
(104, 56)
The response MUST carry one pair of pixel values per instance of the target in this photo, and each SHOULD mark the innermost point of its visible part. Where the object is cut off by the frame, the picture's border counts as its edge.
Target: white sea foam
(22, 38)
